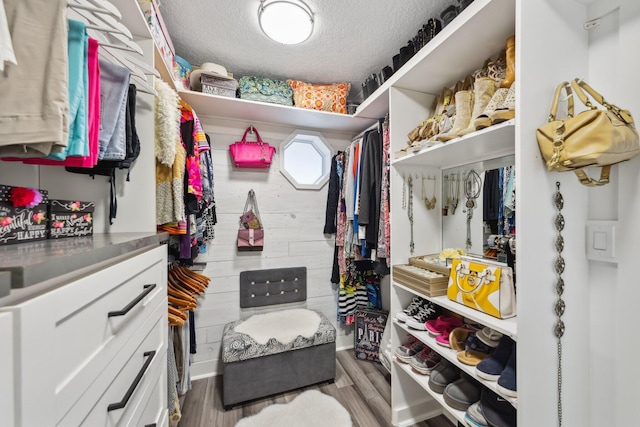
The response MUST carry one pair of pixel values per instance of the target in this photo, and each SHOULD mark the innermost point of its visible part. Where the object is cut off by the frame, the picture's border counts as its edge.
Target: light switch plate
(601, 241)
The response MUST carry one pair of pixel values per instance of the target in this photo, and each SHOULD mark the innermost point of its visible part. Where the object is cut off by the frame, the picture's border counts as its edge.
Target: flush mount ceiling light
(286, 21)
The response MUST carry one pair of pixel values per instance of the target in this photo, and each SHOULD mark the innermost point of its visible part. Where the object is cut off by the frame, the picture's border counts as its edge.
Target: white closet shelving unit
(478, 33)
(552, 45)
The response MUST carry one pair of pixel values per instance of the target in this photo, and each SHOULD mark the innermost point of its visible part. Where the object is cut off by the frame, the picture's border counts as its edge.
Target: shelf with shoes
(504, 326)
(423, 381)
(491, 142)
(451, 356)
(475, 34)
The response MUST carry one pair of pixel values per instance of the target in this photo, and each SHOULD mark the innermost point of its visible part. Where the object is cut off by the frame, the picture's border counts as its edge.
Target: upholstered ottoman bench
(275, 351)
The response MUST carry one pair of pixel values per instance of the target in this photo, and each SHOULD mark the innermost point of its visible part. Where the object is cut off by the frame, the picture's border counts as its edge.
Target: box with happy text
(70, 218)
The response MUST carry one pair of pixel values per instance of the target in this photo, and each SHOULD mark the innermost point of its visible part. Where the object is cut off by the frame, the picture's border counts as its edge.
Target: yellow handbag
(483, 286)
(592, 138)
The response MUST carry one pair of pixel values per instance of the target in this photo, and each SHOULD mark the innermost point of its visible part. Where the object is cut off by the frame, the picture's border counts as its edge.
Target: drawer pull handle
(147, 291)
(134, 384)
(151, 425)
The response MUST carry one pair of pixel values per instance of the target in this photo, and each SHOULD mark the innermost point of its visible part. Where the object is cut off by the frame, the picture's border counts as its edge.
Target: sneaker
(424, 362)
(507, 381)
(496, 410)
(411, 310)
(442, 325)
(427, 312)
(489, 336)
(442, 375)
(404, 353)
(474, 417)
(462, 393)
(491, 367)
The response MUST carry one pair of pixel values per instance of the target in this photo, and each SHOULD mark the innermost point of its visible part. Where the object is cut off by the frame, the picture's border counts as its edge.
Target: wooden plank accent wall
(293, 221)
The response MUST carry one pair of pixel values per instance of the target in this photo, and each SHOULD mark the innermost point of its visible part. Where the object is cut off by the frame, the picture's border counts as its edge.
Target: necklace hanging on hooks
(455, 182)
(472, 188)
(410, 212)
(429, 203)
(404, 193)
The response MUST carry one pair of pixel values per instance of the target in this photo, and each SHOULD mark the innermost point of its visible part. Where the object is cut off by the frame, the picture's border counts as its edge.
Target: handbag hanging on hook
(593, 137)
(251, 232)
(249, 154)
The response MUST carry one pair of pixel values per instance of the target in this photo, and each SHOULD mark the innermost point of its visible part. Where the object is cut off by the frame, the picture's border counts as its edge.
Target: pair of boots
(488, 103)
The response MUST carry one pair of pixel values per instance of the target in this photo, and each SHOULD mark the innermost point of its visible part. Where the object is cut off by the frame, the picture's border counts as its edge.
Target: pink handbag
(247, 154)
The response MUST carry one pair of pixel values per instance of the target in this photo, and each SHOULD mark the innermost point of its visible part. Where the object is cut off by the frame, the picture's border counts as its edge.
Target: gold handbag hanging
(592, 138)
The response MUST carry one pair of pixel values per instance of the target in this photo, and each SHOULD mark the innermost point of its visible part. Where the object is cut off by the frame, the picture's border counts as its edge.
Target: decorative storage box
(432, 262)
(430, 283)
(21, 224)
(69, 218)
(369, 326)
(158, 31)
(265, 90)
(218, 86)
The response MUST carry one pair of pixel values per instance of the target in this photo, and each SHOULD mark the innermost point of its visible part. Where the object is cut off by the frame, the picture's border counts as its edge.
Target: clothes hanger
(146, 68)
(184, 287)
(105, 23)
(175, 320)
(180, 303)
(177, 312)
(183, 276)
(98, 7)
(175, 290)
(108, 6)
(189, 286)
(137, 75)
(203, 279)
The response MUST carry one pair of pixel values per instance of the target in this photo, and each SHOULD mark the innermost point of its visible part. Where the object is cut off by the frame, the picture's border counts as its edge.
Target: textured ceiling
(351, 39)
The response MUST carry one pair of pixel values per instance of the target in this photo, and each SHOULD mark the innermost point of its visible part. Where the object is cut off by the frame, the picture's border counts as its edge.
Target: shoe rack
(553, 44)
(456, 51)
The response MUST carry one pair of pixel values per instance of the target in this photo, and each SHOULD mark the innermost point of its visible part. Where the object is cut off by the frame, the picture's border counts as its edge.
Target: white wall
(614, 62)
(293, 221)
(600, 379)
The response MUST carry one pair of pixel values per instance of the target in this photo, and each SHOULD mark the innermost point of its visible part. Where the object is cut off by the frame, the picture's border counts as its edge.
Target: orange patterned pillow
(331, 97)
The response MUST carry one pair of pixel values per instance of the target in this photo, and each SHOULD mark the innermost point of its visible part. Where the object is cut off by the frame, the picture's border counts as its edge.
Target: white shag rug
(309, 409)
(285, 326)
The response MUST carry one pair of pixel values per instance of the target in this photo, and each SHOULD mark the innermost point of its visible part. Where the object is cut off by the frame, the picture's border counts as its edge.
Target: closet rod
(373, 126)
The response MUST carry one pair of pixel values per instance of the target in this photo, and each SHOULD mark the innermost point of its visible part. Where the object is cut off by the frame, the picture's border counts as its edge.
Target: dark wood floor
(363, 388)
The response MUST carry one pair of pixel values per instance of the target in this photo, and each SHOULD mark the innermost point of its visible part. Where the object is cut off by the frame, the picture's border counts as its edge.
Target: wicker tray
(430, 283)
(430, 262)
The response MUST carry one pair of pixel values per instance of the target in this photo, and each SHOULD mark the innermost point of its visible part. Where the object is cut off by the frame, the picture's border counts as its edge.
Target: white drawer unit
(6, 369)
(121, 392)
(88, 340)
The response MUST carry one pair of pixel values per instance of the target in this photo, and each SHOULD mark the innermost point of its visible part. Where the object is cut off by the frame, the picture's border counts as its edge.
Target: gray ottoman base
(276, 373)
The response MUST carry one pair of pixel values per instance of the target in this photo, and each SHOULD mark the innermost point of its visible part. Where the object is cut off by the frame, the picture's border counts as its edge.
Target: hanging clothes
(491, 199)
(114, 85)
(34, 107)
(370, 188)
(7, 53)
(85, 125)
(384, 227)
(355, 213)
(332, 198)
(78, 144)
